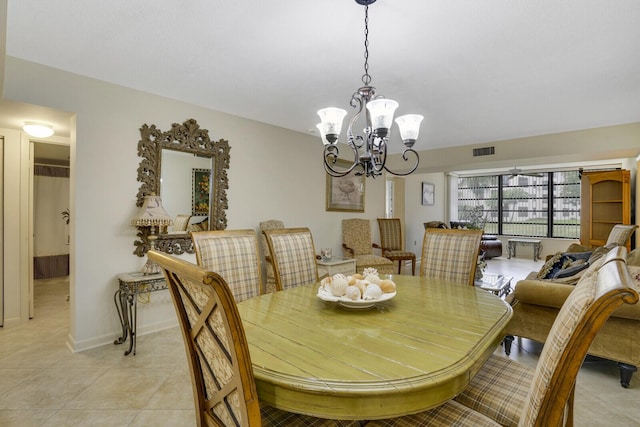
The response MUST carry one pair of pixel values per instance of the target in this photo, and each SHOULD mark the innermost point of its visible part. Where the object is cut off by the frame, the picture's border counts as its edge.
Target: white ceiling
(477, 70)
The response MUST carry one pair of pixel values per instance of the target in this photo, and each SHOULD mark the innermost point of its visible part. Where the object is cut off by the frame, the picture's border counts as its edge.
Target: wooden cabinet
(605, 202)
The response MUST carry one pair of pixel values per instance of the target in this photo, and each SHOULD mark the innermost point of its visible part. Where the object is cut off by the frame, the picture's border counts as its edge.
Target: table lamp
(152, 215)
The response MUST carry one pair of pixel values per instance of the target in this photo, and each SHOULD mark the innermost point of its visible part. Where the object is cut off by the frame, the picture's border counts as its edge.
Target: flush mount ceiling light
(38, 130)
(370, 150)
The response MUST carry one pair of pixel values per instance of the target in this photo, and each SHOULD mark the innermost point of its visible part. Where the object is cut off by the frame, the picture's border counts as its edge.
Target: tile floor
(43, 384)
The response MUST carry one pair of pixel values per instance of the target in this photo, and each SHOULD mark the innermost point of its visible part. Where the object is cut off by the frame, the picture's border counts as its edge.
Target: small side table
(329, 267)
(126, 300)
(497, 283)
(537, 247)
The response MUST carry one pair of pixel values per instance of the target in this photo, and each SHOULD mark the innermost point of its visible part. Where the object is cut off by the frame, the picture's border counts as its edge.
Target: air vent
(484, 151)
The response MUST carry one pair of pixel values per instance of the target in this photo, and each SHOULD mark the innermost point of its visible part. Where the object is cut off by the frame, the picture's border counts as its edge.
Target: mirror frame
(187, 137)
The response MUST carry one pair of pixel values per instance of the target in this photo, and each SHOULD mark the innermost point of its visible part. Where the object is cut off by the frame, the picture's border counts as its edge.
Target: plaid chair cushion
(181, 222)
(450, 256)
(295, 256)
(499, 390)
(620, 234)
(236, 260)
(390, 234)
(450, 414)
(398, 254)
(277, 418)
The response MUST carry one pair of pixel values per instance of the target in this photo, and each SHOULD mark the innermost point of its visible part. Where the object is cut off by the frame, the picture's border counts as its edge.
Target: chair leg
(413, 267)
(400, 266)
(507, 344)
(626, 372)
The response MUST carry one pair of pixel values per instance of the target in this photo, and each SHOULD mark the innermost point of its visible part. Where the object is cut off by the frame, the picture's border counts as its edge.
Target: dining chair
(357, 244)
(507, 393)
(450, 254)
(293, 256)
(224, 388)
(180, 223)
(233, 254)
(620, 234)
(271, 224)
(392, 243)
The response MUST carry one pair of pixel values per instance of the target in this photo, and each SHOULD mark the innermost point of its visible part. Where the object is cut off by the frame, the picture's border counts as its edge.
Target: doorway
(50, 217)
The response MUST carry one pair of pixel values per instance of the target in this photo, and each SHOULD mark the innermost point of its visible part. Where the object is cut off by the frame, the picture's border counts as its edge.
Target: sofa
(536, 302)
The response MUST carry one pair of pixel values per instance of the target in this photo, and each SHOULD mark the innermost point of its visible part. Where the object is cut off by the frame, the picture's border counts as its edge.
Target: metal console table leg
(126, 301)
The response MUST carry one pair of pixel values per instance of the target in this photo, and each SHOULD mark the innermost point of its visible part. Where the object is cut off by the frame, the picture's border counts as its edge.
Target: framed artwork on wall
(428, 193)
(200, 191)
(346, 193)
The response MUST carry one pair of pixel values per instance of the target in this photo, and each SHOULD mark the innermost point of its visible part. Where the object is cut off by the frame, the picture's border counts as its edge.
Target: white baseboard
(77, 346)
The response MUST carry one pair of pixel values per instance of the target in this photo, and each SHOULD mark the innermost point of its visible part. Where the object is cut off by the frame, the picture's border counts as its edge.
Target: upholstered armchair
(356, 244)
(392, 243)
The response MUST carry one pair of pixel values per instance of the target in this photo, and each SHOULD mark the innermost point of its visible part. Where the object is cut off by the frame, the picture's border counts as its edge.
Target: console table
(329, 267)
(126, 300)
(537, 247)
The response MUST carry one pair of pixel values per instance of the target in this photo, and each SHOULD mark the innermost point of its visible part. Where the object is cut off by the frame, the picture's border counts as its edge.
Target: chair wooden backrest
(293, 255)
(233, 254)
(450, 254)
(356, 237)
(391, 234)
(221, 372)
(598, 293)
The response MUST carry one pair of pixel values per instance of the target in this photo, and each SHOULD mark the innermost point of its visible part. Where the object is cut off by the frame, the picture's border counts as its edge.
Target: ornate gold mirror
(180, 165)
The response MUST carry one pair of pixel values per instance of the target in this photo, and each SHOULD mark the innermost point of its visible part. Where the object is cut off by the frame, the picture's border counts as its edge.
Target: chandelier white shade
(369, 151)
(38, 130)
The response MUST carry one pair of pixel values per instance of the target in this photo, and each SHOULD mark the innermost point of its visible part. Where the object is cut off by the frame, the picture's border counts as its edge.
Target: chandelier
(370, 149)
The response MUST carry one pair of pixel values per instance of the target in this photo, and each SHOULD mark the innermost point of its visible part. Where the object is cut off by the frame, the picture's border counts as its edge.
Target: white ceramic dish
(325, 295)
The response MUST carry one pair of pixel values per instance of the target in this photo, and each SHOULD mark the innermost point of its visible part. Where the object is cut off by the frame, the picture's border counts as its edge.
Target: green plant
(66, 215)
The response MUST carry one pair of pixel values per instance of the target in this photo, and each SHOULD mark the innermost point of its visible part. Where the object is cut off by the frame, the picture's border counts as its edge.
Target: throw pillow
(633, 258)
(552, 264)
(564, 265)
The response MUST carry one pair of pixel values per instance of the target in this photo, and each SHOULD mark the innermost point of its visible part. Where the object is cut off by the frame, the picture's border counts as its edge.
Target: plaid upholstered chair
(620, 234)
(233, 254)
(450, 254)
(356, 243)
(224, 388)
(510, 394)
(180, 223)
(293, 256)
(392, 243)
(271, 224)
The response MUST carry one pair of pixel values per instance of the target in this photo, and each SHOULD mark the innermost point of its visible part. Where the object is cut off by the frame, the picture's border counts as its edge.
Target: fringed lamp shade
(151, 214)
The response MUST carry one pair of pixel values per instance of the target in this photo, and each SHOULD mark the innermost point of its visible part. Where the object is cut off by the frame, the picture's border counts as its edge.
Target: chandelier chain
(366, 78)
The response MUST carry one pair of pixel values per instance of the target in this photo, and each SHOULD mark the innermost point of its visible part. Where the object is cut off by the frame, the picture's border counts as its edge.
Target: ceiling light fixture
(370, 150)
(38, 130)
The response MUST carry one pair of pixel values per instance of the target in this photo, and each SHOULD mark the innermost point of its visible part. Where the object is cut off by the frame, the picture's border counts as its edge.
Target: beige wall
(274, 173)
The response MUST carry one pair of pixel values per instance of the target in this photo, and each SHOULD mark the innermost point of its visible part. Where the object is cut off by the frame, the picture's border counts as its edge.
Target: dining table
(407, 354)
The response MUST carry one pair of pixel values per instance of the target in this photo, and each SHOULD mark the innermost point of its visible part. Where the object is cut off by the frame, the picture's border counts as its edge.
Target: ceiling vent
(484, 151)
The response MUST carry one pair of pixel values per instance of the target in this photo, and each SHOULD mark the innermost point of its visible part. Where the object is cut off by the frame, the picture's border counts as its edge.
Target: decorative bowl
(326, 295)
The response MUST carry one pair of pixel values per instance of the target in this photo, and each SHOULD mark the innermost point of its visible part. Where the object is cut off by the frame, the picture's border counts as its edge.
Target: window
(525, 205)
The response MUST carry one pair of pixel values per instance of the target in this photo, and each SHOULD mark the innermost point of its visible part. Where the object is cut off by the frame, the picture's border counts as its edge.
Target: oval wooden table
(405, 355)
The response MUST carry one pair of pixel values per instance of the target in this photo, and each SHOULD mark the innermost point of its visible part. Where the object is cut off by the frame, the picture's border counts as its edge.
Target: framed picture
(428, 193)
(345, 193)
(200, 191)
